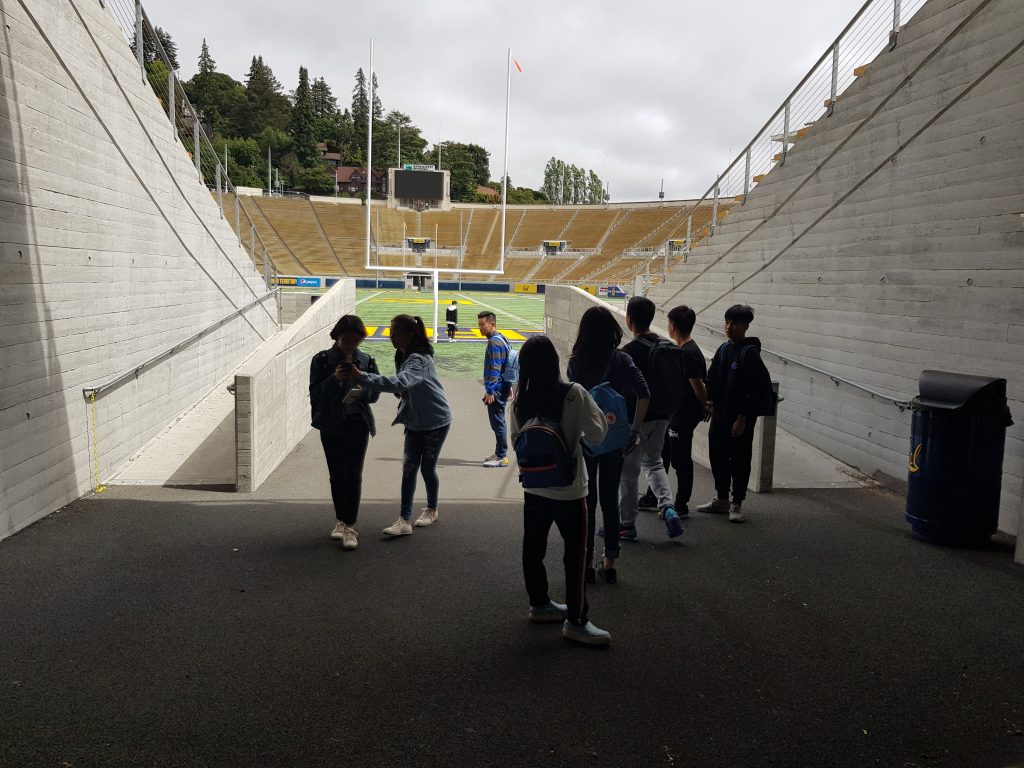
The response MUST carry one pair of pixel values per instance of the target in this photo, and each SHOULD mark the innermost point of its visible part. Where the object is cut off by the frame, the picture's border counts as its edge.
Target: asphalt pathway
(171, 627)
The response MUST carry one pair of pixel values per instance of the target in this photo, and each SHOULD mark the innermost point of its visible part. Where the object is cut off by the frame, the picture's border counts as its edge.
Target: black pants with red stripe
(571, 518)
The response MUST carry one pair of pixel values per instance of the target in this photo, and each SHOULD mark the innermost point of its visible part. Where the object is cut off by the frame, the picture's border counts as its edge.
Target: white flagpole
(369, 155)
(504, 175)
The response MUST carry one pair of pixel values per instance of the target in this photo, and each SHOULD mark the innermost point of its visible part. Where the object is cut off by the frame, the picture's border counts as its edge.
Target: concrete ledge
(272, 389)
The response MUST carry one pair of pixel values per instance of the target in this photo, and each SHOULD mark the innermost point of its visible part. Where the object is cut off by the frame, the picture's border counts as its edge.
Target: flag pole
(369, 155)
(504, 175)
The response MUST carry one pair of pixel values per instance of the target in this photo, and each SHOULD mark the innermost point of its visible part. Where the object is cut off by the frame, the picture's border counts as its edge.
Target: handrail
(836, 379)
(184, 119)
(135, 370)
(807, 106)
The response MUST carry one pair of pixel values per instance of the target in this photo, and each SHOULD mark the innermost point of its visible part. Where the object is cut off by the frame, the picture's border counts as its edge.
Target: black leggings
(571, 518)
(345, 452)
(604, 472)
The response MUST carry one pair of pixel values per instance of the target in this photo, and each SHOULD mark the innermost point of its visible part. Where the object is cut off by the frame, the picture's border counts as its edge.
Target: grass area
(519, 315)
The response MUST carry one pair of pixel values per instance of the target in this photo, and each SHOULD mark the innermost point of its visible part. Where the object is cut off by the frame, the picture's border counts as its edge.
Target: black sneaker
(647, 503)
(589, 576)
(608, 575)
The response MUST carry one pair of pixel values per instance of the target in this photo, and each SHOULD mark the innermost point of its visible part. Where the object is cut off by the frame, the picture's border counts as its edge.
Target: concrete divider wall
(272, 388)
(111, 251)
(890, 242)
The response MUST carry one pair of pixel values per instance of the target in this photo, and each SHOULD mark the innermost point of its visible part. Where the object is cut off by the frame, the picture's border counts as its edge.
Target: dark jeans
(604, 473)
(496, 416)
(422, 450)
(345, 453)
(730, 456)
(571, 518)
(451, 331)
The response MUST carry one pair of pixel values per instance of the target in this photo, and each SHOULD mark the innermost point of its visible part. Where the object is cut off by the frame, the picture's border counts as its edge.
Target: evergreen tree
(268, 107)
(325, 106)
(169, 46)
(207, 65)
(302, 127)
(360, 114)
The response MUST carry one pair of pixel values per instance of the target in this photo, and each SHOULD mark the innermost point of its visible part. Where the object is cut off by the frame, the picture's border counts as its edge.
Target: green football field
(519, 317)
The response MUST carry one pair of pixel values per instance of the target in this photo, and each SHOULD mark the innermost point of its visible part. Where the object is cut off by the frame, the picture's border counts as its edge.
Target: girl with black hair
(424, 410)
(596, 358)
(341, 411)
(541, 393)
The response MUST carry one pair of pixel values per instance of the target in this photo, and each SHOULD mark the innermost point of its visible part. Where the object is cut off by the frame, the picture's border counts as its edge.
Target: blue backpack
(613, 406)
(510, 373)
(546, 459)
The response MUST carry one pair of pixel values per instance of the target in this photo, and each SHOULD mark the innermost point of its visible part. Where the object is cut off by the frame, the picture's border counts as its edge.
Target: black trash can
(956, 457)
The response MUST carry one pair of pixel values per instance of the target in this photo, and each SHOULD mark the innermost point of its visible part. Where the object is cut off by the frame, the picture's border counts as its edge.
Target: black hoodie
(732, 377)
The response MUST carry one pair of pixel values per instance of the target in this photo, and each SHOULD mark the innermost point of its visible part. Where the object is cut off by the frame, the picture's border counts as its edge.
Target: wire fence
(875, 27)
(189, 127)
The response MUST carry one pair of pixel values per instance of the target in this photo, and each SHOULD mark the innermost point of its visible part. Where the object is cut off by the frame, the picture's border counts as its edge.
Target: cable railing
(186, 125)
(875, 26)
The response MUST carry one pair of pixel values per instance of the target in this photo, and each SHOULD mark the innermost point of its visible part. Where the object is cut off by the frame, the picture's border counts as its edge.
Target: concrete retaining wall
(272, 389)
(111, 251)
(890, 242)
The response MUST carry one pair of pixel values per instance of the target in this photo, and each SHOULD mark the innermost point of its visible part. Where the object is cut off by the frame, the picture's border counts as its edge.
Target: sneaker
(716, 506)
(427, 517)
(545, 614)
(628, 534)
(736, 513)
(350, 540)
(585, 633)
(400, 527)
(647, 503)
(672, 523)
(496, 462)
(682, 510)
(608, 575)
(339, 532)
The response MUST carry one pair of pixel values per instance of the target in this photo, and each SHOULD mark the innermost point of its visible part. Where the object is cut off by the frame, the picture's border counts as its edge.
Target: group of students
(659, 387)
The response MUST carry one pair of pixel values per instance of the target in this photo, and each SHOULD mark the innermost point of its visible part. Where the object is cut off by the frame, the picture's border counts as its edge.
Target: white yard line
(371, 296)
(495, 310)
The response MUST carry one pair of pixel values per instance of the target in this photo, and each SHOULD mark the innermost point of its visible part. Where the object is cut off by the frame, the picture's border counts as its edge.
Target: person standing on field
(451, 319)
(496, 389)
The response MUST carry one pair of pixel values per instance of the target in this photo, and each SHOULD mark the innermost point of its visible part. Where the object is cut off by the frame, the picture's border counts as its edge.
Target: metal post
(746, 177)
(689, 228)
(714, 211)
(220, 196)
(195, 136)
(140, 43)
(252, 242)
(238, 220)
(785, 134)
(266, 268)
(172, 105)
(436, 281)
(895, 24)
(835, 79)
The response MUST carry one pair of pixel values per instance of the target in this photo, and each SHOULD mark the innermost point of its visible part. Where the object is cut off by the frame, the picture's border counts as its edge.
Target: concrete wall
(294, 304)
(272, 388)
(890, 241)
(111, 250)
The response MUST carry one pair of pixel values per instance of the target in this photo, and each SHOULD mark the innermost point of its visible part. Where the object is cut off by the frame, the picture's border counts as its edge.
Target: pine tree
(268, 107)
(325, 106)
(360, 114)
(302, 128)
(207, 65)
(169, 46)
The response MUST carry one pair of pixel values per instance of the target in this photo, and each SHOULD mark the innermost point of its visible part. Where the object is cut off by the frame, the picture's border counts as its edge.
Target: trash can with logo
(956, 457)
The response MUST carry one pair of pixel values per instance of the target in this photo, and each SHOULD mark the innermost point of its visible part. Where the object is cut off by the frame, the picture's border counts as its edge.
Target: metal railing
(186, 125)
(875, 27)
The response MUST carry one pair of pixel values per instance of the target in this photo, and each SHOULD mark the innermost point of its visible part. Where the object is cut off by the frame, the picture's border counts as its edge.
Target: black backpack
(763, 400)
(546, 458)
(665, 374)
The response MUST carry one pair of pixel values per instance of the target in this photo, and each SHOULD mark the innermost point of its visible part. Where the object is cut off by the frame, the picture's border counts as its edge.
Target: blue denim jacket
(424, 403)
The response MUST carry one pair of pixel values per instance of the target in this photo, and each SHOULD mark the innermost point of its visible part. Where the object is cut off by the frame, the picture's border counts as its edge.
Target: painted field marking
(371, 296)
(495, 310)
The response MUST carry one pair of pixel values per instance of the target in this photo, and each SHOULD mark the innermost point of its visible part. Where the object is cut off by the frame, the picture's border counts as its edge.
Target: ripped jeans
(422, 450)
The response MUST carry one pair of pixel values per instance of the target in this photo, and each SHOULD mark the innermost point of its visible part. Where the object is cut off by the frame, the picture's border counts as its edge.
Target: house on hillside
(331, 159)
(353, 180)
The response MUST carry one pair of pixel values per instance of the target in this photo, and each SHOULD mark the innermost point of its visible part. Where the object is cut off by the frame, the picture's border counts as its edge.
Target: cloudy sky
(637, 91)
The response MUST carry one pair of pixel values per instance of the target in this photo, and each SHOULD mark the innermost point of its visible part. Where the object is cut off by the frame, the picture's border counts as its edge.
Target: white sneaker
(427, 517)
(494, 461)
(400, 527)
(736, 513)
(350, 539)
(339, 532)
(492, 457)
(716, 506)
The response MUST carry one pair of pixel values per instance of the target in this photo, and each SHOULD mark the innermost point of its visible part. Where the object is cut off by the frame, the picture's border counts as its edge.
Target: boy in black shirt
(731, 385)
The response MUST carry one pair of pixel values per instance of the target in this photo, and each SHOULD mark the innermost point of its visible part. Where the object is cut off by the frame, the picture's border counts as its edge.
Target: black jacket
(732, 377)
(327, 394)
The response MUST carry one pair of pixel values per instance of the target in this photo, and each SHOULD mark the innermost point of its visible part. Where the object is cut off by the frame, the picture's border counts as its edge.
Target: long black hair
(539, 393)
(418, 334)
(599, 335)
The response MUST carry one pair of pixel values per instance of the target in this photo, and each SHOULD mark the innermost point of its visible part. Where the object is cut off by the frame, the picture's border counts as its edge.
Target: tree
(302, 123)
(360, 113)
(207, 66)
(268, 107)
(169, 46)
(316, 181)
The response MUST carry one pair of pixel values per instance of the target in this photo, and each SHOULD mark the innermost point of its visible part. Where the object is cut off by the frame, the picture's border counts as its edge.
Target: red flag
(519, 68)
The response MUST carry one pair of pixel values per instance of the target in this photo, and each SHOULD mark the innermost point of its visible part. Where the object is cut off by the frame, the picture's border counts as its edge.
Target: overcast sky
(638, 91)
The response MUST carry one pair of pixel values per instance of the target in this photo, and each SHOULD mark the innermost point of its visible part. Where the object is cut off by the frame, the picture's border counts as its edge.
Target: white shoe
(736, 513)
(494, 461)
(338, 533)
(400, 527)
(587, 633)
(492, 457)
(427, 517)
(350, 539)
